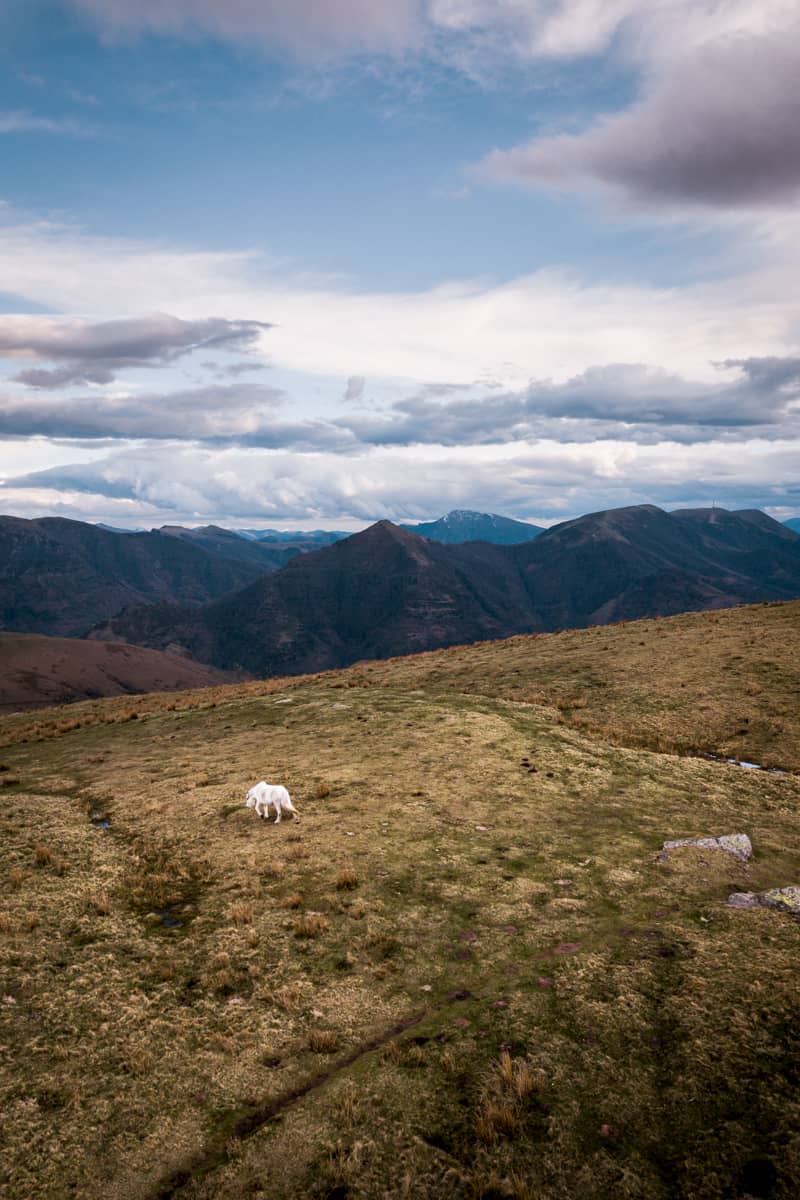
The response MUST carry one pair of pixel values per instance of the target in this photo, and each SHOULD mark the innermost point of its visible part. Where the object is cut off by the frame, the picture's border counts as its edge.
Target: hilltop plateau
(467, 972)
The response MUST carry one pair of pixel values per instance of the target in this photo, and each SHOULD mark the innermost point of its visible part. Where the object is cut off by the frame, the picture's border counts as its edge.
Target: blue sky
(283, 264)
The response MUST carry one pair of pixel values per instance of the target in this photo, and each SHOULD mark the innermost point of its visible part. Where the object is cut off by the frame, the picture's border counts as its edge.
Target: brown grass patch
(98, 903)
(42, 855)
(347, 879)
(241, 914)
(310, 925)
(287, 997)
(323, 1041)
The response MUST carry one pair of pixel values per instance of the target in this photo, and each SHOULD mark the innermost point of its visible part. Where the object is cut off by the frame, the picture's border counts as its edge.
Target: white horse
(263, 794)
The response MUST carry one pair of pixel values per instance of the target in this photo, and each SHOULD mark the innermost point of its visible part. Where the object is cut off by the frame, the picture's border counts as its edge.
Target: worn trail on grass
(217, 1154)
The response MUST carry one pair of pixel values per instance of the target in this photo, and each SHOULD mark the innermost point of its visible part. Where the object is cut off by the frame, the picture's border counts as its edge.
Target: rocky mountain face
(386, 591)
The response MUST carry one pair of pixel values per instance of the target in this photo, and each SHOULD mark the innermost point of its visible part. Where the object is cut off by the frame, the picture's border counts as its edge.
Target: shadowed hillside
(467, 972)
(37, 671)
(225, 543)
(62, 577)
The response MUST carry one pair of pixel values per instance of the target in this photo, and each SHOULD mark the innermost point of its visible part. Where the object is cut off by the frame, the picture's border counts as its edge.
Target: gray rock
(783, 899)
(742, 900)
(738, 844)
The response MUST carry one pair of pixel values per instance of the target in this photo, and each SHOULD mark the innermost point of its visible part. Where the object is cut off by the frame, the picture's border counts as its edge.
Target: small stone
(469, 936)
(782, 899)
(426, 987)
(462, 1022)
(462, 994)
(499, 1004)
(737, 844)
(544, 982)
(567, 948)
(482, 828)
(609, 1131)
(563, 882)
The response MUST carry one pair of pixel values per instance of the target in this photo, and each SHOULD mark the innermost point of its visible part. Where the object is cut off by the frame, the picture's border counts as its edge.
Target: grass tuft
(42, 855)
(323, 1041)
(310, 925)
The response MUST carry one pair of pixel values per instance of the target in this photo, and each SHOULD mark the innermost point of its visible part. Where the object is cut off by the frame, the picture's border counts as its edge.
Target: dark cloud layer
(89, 352)
(243, 414)
(618, 402)
(720, 130)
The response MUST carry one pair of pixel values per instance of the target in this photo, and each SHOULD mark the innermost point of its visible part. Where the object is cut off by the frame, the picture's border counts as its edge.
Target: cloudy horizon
(307, 266)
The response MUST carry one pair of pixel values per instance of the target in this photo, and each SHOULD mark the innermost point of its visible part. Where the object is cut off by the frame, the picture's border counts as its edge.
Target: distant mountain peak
(466, 525)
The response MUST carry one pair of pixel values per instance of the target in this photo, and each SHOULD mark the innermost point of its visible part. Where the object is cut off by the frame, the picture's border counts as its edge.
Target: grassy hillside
(464, 973)
(37, 671)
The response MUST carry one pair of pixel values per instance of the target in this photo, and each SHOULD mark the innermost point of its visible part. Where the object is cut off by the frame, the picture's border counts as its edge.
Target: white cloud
(306, 27)
(548, 324)
(546, 480)
(461, 30)
(23, 121)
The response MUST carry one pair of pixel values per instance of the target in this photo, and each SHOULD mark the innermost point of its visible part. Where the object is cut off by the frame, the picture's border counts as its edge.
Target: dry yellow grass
(531, 1004)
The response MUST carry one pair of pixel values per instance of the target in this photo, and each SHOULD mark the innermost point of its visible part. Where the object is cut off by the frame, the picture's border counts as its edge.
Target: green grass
(585, 1020)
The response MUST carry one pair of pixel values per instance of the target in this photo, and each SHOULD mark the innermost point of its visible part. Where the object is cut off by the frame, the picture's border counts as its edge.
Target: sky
(292, 264)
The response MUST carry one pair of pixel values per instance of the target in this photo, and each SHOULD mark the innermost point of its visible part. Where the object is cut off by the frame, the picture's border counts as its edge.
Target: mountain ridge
(386, 591)
(61, 577)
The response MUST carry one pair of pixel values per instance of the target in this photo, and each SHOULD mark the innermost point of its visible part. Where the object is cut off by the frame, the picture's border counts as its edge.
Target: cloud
(240, 413)
(302, 27)
(95, 352)
(627, 401)
(620, 402)
(23, 121)
(466, 33)
(720, 130)
(546, 324)
(547, 480)
(354, 389)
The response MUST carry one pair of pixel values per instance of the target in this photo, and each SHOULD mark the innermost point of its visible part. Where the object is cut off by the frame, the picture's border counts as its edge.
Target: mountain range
(386, 591)
(62, 577)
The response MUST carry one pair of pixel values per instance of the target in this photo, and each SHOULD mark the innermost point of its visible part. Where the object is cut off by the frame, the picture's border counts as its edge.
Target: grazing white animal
(263, 794)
